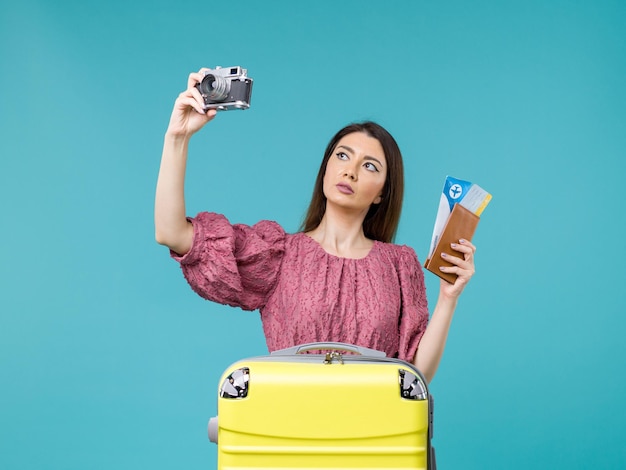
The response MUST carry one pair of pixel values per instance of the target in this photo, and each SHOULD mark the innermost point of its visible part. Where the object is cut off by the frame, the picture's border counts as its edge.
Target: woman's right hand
(188, 115)
(171, 226)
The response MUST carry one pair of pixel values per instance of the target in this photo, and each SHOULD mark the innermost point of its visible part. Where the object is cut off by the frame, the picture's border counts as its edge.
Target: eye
(370, 166)
(342, 156)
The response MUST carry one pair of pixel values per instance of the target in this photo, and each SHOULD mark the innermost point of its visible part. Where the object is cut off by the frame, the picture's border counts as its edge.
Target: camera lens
(216, 88)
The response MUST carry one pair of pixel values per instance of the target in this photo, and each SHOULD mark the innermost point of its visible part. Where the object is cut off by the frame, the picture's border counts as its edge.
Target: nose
(351, 173)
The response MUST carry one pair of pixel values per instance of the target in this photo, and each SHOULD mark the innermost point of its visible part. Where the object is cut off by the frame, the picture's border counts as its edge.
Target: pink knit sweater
(305, 294)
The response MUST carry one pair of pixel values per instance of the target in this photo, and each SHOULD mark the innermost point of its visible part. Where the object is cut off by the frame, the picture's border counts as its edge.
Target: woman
(340, 278)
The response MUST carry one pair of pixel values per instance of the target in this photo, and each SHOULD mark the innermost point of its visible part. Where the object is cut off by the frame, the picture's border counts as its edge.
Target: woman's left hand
(462, 267)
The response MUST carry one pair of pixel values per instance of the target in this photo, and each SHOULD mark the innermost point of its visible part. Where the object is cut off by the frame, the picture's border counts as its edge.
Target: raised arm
(433, 342)
(171, 226)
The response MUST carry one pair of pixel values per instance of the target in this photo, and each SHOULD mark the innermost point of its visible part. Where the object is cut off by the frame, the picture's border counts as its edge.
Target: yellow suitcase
(323, 410)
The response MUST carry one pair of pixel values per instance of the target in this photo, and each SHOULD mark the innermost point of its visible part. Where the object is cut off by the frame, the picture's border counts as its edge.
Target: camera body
(226, 88)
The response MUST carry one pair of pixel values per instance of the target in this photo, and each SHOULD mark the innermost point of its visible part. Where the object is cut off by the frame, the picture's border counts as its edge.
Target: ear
(377, 200)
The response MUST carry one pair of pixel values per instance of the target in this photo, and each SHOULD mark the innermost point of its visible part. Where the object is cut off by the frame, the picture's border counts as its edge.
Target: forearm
(433, 341)
(171, 226)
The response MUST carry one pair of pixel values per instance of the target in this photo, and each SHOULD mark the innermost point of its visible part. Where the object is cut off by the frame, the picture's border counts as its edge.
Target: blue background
(109, 361)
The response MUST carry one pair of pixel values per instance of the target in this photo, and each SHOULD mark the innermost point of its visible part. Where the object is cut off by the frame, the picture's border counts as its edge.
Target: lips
(345, 188)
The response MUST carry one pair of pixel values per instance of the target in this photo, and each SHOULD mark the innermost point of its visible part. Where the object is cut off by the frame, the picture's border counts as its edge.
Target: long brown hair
(381, 221)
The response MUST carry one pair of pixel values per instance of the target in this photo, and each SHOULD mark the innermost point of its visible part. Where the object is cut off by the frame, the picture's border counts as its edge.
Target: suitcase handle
(363, 351)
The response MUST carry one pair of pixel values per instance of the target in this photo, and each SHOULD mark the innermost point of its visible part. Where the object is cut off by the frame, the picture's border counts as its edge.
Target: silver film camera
(226, 88)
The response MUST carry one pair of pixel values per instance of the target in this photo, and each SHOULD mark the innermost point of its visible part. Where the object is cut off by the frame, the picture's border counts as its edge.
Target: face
(355, 172)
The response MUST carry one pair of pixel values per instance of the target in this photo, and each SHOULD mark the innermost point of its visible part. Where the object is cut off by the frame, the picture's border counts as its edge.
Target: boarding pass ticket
(456, 191)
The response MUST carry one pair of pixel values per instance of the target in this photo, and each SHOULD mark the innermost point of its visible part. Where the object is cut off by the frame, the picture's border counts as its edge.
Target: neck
(341, 234)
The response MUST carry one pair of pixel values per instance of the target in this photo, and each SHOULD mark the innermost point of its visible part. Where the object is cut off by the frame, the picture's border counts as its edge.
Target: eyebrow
(367, 157)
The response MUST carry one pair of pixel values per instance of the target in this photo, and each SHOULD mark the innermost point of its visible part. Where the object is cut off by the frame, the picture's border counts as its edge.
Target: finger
(467, 243)
(463, 273)
(460, 266)
(468, 256)
(455, 260)
(186, 99)
(465, 247)
(197, 95)
(196, 77)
